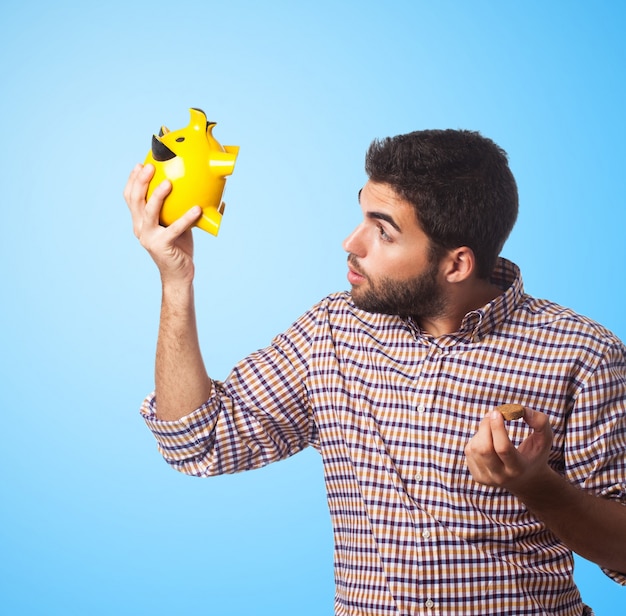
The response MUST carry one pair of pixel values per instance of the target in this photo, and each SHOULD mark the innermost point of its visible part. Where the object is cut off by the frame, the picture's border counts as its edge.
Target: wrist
(177, 292)
(543, 491)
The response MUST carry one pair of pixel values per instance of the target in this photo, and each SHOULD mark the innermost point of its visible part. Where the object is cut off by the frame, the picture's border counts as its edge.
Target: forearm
(182, 383)
(592, 526)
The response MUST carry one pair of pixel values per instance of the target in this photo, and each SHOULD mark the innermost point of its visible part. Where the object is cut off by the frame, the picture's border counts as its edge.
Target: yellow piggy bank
(196, 165)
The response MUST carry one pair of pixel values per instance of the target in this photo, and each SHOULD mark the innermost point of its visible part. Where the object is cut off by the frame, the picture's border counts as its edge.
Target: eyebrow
(386, 218)
(382, 216)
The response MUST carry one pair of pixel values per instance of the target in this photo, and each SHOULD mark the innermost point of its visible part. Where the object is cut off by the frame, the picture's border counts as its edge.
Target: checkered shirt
(390, 409)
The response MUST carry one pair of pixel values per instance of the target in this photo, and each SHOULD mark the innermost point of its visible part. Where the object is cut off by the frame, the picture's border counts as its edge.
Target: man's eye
(383, 234)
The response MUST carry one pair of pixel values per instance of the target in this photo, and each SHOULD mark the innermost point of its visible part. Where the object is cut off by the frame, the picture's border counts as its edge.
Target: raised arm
(182, 383)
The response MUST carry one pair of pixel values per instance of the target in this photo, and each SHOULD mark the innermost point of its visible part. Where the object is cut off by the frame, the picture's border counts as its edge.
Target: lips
(355, 276)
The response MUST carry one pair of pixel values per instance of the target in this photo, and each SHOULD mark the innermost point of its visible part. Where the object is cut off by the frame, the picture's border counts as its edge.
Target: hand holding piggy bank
(196, 165)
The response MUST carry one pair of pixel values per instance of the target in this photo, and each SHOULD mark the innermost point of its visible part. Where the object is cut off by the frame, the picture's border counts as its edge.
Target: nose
(353, 243)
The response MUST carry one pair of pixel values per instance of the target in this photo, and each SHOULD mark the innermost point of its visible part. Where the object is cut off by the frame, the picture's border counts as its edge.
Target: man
(437, 506)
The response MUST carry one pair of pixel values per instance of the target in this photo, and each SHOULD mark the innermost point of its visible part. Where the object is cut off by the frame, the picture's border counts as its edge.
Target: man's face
(391, 268)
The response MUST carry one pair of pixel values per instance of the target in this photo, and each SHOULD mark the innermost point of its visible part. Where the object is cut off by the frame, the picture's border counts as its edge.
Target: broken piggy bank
(197, 165)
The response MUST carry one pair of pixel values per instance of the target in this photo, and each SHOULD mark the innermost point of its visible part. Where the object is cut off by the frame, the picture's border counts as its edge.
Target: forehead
(382, 201)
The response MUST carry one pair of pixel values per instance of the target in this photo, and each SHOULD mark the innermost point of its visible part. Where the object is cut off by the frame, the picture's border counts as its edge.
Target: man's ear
(459, 264)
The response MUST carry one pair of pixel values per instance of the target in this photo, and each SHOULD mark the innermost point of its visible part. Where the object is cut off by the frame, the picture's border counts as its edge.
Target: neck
(459, 302)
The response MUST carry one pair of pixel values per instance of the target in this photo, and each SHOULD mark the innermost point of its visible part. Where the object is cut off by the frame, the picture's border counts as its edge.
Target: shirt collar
(479, 323)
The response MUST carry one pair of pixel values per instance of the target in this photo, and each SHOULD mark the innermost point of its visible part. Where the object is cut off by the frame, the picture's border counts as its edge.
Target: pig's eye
(180, 139)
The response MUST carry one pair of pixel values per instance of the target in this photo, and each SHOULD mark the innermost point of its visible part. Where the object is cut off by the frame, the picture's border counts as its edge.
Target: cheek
(400, 266)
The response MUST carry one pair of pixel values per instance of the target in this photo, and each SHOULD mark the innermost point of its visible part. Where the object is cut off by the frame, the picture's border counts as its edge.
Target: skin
(388, 246)
(589, 525)
(181, 380)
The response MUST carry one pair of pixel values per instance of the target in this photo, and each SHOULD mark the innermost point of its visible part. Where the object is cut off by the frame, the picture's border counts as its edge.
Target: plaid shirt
(391, 409)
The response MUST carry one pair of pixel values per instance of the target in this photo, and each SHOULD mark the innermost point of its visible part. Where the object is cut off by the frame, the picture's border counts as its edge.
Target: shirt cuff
(184, 439)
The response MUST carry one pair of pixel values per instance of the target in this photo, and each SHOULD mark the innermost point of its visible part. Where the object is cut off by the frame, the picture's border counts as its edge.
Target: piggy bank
(196, 165)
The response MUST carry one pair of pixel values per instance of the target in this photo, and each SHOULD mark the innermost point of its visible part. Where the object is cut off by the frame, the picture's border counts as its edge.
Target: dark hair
(459, 183)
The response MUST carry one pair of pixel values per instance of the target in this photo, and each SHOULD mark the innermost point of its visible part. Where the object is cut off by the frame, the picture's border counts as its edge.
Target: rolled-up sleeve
(259, 414)
(597, 433)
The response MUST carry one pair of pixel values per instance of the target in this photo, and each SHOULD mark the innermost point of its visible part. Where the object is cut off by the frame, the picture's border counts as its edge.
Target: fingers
(171, 247)
(481, 456)
(143, 211)
(137, 185)
(494, 460)
(135, 194)
(131, 180)
(491, 456)
(153, 207)
(538, 421)
(146, 214)
(502, 444)
(538, 444)
(186, 221)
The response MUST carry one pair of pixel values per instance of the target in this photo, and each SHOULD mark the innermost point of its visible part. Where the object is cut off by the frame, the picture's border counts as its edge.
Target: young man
(437, 506)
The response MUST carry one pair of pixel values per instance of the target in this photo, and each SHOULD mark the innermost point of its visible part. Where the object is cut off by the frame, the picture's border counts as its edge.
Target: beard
(419, 297)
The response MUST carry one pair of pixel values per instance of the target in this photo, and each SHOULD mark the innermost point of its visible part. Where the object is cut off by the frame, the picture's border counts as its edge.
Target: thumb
(537, 421)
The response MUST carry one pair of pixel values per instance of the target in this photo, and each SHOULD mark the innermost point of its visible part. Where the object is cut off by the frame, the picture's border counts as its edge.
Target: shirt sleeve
(596, 449)
(259, 414)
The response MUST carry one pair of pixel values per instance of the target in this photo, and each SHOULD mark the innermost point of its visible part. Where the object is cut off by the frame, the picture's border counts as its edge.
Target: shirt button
(418, 477)
(421, 408)
(426, 534)
(430, 603)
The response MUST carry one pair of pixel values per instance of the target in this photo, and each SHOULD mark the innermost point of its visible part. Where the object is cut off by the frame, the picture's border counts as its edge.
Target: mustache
(353, 262)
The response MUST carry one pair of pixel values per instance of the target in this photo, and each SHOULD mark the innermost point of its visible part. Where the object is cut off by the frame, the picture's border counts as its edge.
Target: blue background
(92, 521)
